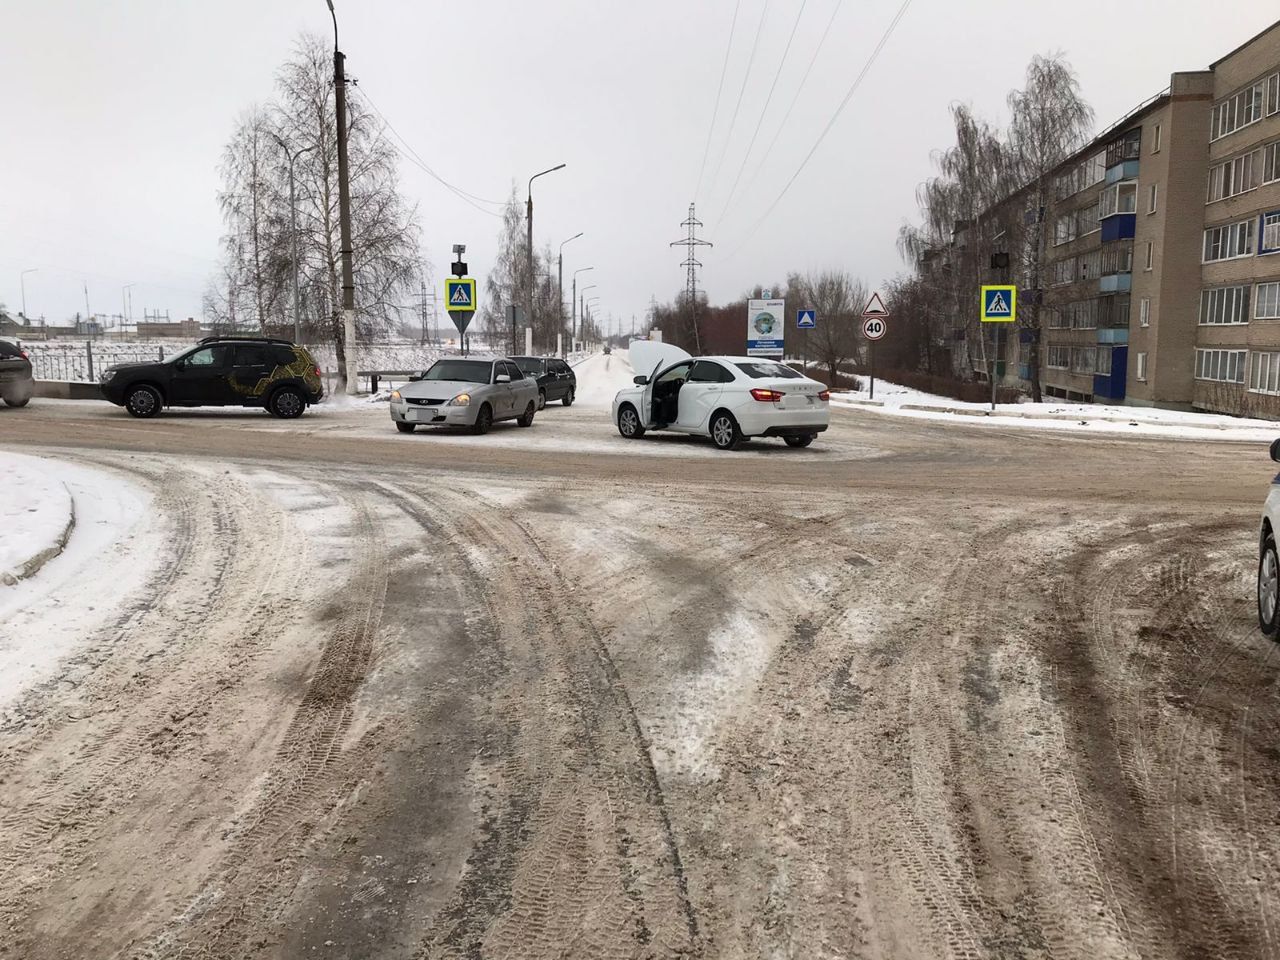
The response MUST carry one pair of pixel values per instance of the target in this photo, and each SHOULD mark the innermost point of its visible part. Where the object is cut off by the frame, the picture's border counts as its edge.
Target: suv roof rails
(249, 339)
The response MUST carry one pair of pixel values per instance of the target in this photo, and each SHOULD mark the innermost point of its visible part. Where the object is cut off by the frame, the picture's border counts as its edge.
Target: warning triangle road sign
(996, 305)
(875, 307)
(461, 297)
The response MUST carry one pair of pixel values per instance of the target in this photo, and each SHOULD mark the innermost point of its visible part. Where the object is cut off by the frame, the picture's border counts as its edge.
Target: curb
(34, 565)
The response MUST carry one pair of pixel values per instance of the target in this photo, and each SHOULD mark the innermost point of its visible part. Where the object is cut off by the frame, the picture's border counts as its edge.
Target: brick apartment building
(1162, 282)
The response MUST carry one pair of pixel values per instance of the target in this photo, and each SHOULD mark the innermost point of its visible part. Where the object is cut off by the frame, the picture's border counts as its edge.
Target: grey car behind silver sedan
(471, 392)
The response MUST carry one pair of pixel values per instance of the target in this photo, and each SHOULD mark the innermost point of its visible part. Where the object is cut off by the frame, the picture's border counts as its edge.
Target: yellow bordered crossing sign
(460, 294)
(999, 304)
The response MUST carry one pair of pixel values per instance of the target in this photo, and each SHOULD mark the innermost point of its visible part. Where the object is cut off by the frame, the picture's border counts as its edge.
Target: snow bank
(36, 515)
(107, 558)
(895, 400)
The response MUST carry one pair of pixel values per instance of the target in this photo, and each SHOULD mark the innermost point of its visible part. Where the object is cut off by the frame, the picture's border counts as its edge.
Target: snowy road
(919, 691)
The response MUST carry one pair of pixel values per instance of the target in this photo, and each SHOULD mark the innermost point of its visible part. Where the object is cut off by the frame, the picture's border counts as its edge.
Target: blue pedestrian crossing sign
(999, 304)
(460, 295)
(806, 319)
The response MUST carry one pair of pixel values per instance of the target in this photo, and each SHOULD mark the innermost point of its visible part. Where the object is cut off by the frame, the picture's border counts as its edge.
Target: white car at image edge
(1268, 560)
(728, 399)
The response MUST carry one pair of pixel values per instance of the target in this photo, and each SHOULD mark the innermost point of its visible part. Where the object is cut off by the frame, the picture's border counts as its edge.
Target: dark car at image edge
(16, 383)
(275, 374)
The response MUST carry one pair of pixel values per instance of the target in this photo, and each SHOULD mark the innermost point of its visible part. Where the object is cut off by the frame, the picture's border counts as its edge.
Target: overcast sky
(116, 114)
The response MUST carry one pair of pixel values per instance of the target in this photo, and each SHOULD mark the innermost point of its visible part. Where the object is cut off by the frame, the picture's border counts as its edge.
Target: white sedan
(728, 399)
(1268, 560)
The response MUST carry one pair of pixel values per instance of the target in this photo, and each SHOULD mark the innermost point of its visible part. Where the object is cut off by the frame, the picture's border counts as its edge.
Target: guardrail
(82, 363)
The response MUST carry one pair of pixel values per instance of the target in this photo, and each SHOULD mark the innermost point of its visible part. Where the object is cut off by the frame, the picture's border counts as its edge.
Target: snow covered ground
(106, 557)
(601, 376)
(895, 400)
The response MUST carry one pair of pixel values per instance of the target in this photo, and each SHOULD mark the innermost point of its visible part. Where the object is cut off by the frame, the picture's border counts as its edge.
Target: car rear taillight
(24, 355)
(824, 395)
(766, 396)
(317, 371)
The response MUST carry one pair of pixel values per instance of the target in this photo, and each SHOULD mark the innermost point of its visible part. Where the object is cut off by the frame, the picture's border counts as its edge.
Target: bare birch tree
(385, 233)
(1050, 121)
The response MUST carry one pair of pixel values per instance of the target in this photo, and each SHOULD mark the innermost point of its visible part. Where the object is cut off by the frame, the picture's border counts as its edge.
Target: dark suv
(16, 384)
(220, 372)
(556, 379)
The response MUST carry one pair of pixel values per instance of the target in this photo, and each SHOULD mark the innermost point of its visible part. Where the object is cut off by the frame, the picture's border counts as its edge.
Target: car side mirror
(502, 378)
(640, 381)
(1275, 450)
(415, 377)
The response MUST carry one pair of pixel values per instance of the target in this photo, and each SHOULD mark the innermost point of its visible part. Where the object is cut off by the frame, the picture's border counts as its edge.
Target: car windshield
(468, 371)
(761, 370)
(531, 366)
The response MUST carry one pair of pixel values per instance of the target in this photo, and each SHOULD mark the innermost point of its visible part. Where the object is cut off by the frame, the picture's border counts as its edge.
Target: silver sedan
(472, 392)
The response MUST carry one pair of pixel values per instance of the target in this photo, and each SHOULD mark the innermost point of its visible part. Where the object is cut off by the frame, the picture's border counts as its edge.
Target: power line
(413, 157)
(745, 77)
(795, 99)
(715, 113)
(763, 110)
(866, 68)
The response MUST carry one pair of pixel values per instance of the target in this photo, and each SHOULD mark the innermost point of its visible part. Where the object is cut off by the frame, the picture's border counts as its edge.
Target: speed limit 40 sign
(873, 328)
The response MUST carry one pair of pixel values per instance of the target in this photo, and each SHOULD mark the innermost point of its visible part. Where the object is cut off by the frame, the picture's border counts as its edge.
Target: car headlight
(461, 400)
(395, 394)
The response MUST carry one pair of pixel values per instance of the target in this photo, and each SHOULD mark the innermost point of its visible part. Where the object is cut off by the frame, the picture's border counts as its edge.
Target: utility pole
(691, 265)
(424, 311)
(344, 209)
(560, 285)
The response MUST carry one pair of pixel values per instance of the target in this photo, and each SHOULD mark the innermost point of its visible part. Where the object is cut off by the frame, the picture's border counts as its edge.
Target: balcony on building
(1116, 268)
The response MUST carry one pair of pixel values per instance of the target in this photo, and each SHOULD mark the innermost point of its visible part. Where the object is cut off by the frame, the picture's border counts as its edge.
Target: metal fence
(84, 362)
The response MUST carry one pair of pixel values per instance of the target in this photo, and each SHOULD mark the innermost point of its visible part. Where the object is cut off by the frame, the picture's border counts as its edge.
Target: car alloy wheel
(542, 399)
(484, 419)
(287, 404)
(1268, 587)
(724, 432)
(527, 419)
(799, 441)
(568, 398)
(629, 423)
(143, 402)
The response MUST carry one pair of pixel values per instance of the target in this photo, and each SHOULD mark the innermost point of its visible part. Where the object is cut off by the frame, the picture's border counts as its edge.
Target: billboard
(765, 326)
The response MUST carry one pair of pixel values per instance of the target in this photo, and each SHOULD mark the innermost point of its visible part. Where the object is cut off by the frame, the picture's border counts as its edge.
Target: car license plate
(812, 400)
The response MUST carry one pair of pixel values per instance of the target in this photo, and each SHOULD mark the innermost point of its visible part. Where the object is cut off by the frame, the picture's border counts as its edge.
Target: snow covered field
(894, 400)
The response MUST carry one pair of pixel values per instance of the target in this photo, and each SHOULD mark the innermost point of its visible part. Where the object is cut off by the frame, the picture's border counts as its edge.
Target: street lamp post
(582, 314)
(22, 282)
(573, 302)
(560, 284)
(590, 312)
(529, 249)
(344, 208)
(293, 229)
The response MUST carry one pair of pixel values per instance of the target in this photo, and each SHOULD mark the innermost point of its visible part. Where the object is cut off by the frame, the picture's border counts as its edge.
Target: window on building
(1273, 94)
(1144, 312)
(1223, 366)
(1271, 162)
(1235, 176)
(1084, 359)
(1267, 302)
(1117, 258)
(1118, 198)
(1151, 252)
(1153, 197)
(1104, 362)
(1229, 241)
(1064, 229)
(1140, 367)
(1237, 111)
(1081, 314)
(1087, 221)
(1155, 140)
(1224, 305)
(1059, 358)
(1264, 373)
(1269, 234)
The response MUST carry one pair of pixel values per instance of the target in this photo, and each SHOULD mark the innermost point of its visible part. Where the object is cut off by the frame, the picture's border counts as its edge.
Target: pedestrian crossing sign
(999, 304)
(460, 294)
